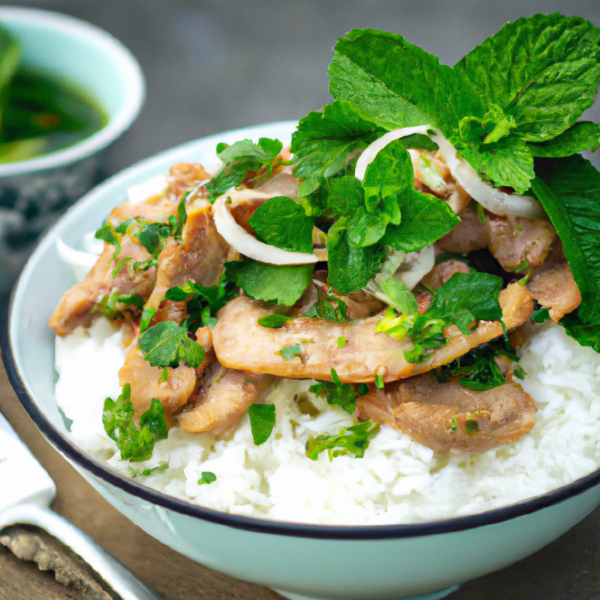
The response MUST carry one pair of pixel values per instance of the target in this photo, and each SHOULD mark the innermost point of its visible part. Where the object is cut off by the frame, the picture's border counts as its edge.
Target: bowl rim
(102, 472)
(131, 74)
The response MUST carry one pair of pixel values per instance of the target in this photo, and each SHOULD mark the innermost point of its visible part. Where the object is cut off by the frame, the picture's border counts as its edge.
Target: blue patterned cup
(35, 192)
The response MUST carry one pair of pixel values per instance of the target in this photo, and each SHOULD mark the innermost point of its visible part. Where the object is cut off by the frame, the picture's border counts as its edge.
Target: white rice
(398, 480)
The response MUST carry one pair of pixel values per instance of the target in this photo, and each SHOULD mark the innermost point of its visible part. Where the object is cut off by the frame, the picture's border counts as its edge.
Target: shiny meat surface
(441, 273)
(223, 400)
(468, 236)
(75, 306)
(241, 343)
(515, 240)
(447, 417)
(146, 384)
(200, 259)
(554, 288)
(186, 176)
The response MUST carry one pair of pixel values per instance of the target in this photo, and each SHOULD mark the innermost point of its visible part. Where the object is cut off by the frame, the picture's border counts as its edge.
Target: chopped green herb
(166, 344)
(329, 307)
(349, 441)
(134, 444)
(273, 321)
(519, 372)
(339, 393)
(238, 160)
(262, 421)
(363, 389)
(341, 341)
(119, 266)
(289, 352)
(481, 214)
(147, 316)
(522, 267)
(471, 427)
(379, 384)
(115, 306)
(207, 478)
(164, 375)
(147, 472)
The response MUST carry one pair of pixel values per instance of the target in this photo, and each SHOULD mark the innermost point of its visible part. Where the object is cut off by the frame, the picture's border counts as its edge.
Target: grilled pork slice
(241, 343)
(468, 236)
(516, 240)
(199, 258)
(448, 417)
(554, 287)
(223, 400)
(146, 384)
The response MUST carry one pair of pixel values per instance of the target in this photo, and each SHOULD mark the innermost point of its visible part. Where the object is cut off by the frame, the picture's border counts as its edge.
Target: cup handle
(116, 575)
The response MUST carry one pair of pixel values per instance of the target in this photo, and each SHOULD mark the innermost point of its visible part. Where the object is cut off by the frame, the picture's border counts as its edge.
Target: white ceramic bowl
(35, 192)
(375, 562)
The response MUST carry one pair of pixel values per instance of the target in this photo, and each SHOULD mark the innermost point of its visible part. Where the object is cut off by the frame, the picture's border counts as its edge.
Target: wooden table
(567, 569)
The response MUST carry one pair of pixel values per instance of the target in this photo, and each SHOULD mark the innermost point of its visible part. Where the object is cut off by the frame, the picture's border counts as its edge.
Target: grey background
(215, 65)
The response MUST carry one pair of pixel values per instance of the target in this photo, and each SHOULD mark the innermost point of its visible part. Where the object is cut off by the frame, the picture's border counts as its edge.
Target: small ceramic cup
(35, 192)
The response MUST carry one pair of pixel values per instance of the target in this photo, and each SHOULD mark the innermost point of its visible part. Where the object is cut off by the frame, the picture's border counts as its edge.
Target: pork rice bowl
(393, 319)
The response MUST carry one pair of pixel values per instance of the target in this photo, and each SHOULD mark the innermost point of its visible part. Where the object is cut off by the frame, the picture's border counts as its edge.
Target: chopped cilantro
(207, 478)
(273, 321)
(349, 441)
(289, 352)
(134, 444)
(262, 421)
(166, 344)
(339, 393)
(379, 384)
(238, 160)
(147, 472)
(115, 306)
(341, 341)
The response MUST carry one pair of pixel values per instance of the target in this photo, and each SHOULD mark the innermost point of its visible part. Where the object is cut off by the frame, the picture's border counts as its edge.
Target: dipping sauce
(40, 113)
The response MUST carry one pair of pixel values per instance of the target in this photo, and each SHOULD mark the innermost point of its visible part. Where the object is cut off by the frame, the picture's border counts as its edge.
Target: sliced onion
(79, 261)
(248, 245)
(489, 197)
(367, 157)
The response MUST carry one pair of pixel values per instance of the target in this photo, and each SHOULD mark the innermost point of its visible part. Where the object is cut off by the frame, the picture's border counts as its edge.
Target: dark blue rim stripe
(372, 532)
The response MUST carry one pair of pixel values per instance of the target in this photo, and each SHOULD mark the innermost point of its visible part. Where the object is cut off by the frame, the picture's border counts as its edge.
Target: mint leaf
(326, 141)
(272, 283)
(340, 196)
(339, 393)
(467, 296)
(282, 223)
(542, 71)
(240, 158)
(584, 135)
(117, 417)
(417, 90)
(289, 352)
(569, 190)
(167, 344)
(154, 419)
(585, 333)
(350, 267)
(207, 478)
(399, 295)
(505, 163)
(425, 219)
(262, 421)
(350, 440)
